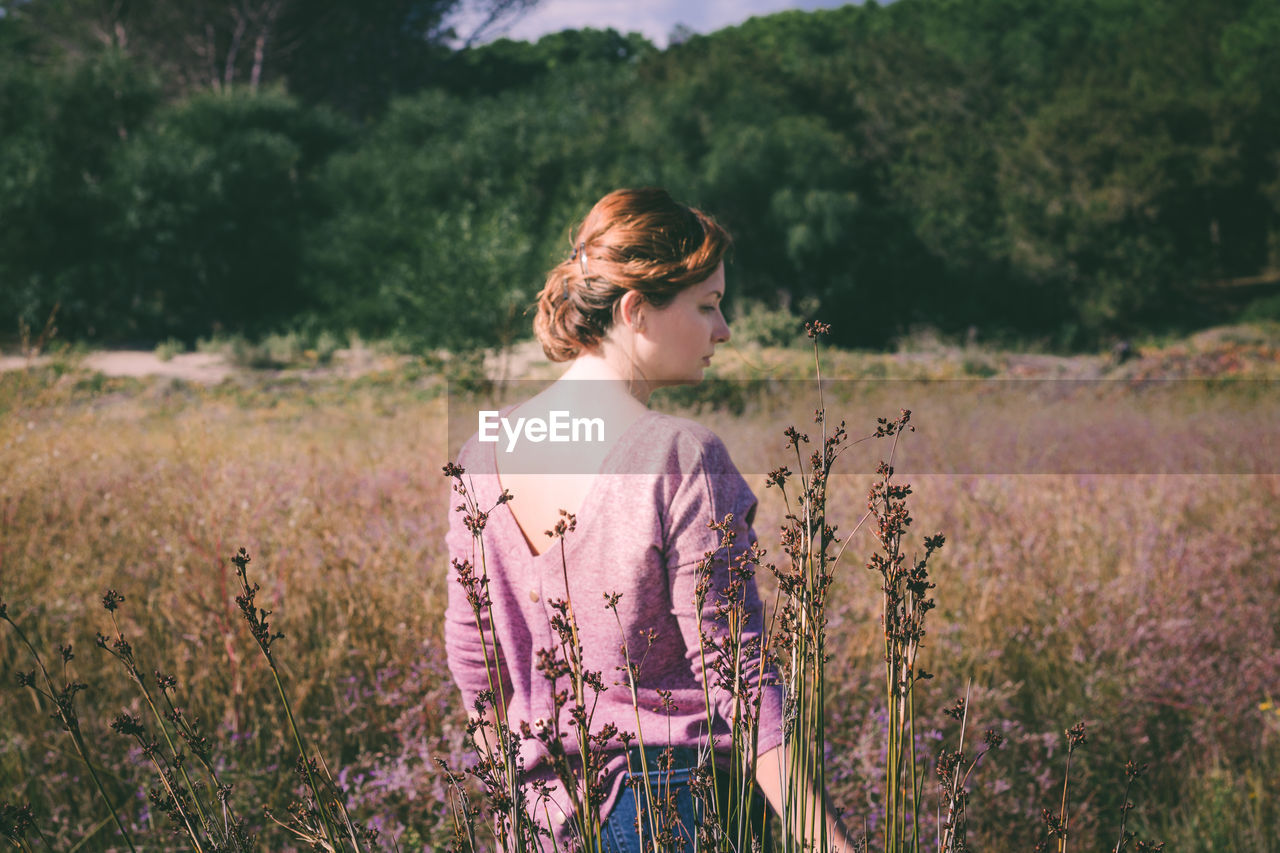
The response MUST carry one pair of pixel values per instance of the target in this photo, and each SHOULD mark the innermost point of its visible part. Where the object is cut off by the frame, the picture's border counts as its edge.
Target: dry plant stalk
(63, 700)
(206, 827)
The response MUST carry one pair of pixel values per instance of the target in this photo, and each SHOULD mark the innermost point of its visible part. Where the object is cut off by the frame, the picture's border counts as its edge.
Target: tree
(350, 55)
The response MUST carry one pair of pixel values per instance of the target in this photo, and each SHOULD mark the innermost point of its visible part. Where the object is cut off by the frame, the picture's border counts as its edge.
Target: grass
(1139, 602)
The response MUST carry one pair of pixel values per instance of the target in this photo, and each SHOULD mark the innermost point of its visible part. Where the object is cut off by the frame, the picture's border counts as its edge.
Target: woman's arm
(710, 487)
(772, 775)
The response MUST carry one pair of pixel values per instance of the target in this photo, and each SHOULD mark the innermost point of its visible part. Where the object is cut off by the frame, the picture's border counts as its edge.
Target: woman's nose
(721, 332)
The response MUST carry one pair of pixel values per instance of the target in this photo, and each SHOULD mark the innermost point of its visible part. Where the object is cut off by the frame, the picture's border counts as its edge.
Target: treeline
(1031, 169)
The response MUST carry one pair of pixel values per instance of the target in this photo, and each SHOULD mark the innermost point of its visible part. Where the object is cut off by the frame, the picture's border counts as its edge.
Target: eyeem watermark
(557, 427)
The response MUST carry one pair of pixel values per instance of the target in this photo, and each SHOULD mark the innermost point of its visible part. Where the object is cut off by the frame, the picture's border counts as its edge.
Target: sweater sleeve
(475, 658)
(708, 489)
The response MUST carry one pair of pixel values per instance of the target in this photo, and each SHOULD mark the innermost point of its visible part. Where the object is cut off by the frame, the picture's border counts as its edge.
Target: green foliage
(1037, 170)
(213, 202)
(168, 348)
(1261, 310)
(507, 64)
(446, 219)
(770, 327)
(63, 128)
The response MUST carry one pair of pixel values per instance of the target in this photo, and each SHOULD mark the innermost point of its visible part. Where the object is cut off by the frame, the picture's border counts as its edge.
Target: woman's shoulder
(702, 481)
(680, 445)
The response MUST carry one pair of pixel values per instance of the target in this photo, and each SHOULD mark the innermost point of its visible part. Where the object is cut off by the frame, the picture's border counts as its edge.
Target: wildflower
(1076, 737)
(452, 470)
(111, 600)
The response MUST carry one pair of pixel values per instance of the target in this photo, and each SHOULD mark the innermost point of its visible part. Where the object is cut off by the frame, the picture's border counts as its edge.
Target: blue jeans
(620, 833)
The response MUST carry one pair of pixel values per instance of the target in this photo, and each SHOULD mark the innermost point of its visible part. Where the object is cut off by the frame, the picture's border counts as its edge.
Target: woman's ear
(630, 312)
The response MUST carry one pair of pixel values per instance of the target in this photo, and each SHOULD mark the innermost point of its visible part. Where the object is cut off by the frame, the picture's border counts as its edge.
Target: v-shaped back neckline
(592, 491)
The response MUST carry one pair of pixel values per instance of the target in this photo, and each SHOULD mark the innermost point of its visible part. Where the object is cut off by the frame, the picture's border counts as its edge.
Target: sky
(654, 18)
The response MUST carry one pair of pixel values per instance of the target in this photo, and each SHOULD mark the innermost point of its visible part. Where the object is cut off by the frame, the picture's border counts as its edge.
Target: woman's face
(674, 344)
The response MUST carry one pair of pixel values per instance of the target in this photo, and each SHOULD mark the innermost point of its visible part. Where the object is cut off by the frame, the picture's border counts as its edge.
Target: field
(1112, 542)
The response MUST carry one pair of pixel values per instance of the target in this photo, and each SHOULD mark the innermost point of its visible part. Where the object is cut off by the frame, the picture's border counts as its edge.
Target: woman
(635, 307)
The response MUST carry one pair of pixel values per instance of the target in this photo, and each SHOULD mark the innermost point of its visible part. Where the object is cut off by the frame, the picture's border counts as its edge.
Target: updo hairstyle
(638, 239)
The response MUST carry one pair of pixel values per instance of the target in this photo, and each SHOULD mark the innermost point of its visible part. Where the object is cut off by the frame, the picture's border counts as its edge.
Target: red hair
(638, 240)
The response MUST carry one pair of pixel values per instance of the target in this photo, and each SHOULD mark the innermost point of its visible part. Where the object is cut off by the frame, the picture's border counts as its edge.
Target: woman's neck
(611, 377)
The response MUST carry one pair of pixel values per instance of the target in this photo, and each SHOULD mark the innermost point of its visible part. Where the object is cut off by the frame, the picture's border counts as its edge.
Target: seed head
(794, 437)
(813, 330)
(111, 600)
(1053, 824)
(128, 725)
(778, 477)
(475, 523)
(1076, 737)
(567, 524)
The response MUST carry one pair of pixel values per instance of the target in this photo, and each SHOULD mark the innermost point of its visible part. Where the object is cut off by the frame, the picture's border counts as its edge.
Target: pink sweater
(641, 532)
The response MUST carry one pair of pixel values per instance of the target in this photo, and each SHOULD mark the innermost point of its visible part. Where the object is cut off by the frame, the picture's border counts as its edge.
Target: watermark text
(557, 427)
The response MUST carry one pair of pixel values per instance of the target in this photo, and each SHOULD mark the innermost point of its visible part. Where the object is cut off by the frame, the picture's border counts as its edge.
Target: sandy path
(520, 361)
(209, 368)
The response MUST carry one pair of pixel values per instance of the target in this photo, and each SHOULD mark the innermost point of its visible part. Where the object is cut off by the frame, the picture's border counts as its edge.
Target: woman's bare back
(545, 478)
